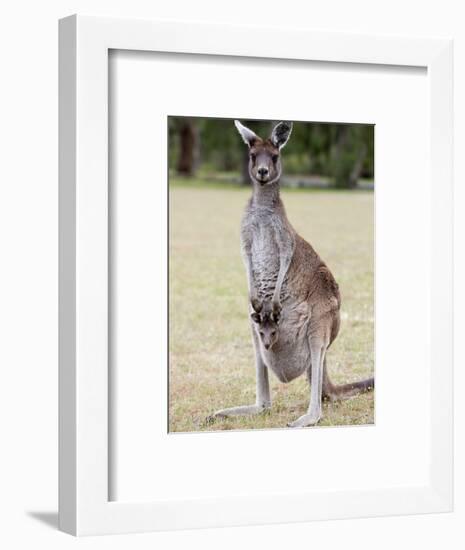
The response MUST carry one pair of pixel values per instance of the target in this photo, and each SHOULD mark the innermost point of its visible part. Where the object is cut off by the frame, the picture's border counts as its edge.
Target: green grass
(211, 353)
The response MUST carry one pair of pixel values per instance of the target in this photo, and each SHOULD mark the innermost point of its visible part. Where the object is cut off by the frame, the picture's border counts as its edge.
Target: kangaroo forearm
(250, 279)
(278, 287)
(283, 269)
(286, 244)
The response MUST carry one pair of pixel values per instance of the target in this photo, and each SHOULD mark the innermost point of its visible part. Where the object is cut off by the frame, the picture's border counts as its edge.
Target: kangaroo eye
(275, 158)
(273, 333)
(262, 333)
(253, 156)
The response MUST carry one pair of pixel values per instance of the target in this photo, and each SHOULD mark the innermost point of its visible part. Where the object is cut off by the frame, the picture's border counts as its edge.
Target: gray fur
(287, 277)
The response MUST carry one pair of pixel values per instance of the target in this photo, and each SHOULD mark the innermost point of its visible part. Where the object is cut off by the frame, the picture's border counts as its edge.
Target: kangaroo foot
(243, 410)
(305, 421)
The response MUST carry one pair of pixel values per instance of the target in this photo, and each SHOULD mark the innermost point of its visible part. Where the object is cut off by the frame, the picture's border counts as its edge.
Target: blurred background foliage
(317, 155)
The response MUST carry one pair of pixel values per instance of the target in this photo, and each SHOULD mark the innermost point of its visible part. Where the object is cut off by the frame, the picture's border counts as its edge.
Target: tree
(188, 146)
(348, 154)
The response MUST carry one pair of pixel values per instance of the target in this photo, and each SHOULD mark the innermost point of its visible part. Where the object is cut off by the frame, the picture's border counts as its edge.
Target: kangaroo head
(264, 155)
(267, 320)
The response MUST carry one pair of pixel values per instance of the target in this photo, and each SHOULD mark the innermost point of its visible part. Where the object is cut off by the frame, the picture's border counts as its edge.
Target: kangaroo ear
(247, 135)
(280, 134)
(255, 317)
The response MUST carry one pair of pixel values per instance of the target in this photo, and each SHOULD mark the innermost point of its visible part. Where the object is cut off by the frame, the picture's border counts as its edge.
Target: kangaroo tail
(334, 392)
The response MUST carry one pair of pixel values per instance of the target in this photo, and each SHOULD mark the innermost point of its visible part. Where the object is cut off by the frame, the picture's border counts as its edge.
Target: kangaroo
(286, 272)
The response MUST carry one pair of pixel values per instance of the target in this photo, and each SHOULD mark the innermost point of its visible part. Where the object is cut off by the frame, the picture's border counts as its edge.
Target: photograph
(233, 256)
(271, 274)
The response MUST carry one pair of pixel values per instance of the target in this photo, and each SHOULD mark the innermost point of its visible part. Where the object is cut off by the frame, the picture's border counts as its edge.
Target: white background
(28, 299)
(145, 88)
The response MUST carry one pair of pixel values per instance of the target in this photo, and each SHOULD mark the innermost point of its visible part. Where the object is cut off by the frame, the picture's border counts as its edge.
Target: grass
(211, 353)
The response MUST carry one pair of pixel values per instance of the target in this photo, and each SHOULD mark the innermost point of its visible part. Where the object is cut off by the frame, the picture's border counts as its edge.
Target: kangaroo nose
(267, 346)
(263, 171)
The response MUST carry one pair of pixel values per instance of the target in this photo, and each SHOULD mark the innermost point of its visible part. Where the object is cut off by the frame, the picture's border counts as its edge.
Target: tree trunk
(348, 157)
(358, 166)
(188, 148)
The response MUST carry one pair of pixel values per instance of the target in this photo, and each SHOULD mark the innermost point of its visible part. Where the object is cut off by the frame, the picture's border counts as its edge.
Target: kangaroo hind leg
(318, 351)
(263, 394)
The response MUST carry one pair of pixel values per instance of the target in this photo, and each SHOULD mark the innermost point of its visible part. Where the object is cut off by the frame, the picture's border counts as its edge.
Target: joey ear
(256, 304)
(276, 312)
(255, 317)
(247, 135)
(280, 134)
(275, 316)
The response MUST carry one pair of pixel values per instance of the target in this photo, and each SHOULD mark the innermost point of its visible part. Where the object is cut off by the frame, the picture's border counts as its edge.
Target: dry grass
(211, 354)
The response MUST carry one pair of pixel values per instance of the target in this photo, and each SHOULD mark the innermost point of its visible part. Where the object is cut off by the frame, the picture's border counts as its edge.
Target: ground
(211, 353)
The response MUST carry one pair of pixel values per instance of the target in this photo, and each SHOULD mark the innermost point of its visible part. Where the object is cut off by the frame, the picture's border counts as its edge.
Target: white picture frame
(84, 505)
